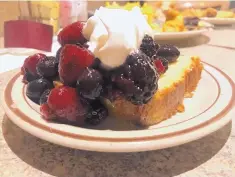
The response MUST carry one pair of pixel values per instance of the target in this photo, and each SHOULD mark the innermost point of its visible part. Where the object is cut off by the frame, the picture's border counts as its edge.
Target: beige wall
(8, 11)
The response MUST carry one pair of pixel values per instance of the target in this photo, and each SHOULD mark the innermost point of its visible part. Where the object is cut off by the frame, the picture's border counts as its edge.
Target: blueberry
(48, 67)
(169, 52)
(90, 84)
(44, 96)
(29, 77)
(96, 114)
(36, 88)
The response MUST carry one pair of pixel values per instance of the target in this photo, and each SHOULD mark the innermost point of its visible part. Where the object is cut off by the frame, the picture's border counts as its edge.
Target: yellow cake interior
(179, 81)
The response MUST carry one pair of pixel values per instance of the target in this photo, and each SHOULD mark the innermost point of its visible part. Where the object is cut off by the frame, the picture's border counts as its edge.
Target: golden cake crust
(178, 82)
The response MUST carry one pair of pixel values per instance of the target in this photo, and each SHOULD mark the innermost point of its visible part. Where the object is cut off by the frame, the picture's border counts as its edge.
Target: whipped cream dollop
(115, 33)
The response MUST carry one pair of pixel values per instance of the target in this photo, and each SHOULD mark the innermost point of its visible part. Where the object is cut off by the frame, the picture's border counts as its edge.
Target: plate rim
(179, 35)
(110, 148)
(217, 21)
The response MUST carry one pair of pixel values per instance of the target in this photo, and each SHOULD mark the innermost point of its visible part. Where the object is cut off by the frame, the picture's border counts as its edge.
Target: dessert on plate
(110, 65)
(187, 20)
(208, 12)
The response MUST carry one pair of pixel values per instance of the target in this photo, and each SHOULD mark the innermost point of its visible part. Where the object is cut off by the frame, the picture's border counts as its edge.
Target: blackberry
(137, 78)
(90, 84)
(169, 52)
(149, 46)
(48, 67)
(96, 114)
(44, 96)
(36, 88)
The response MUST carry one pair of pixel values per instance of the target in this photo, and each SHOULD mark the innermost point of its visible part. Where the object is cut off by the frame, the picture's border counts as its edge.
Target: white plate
(207, 111)
(178, 35)
(219, 21)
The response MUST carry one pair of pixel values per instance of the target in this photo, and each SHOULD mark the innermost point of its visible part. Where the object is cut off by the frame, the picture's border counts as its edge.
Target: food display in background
(191, 12)
(210, 12)
(110, 65)
(177, 21)
(207, 12)
(211, 15)
(164, 17)
(149, 11)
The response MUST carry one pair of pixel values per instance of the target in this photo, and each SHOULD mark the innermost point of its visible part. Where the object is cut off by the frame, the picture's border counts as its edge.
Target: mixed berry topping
(137, 78)
(71, 86)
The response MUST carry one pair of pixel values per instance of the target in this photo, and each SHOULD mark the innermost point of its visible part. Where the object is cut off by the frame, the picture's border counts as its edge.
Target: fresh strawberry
(65, 104)
(46, 112)
(73, 60)
(29, 67)
(72, 34)
(31, 62)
